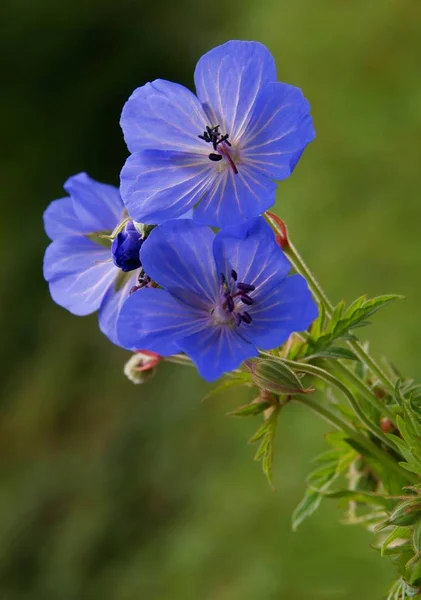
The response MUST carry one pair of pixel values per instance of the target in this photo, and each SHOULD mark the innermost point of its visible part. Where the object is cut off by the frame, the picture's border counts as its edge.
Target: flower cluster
(145, 256)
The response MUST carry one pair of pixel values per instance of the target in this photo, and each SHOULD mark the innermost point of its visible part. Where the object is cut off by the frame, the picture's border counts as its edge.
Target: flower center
(233, 295)
(220, 144)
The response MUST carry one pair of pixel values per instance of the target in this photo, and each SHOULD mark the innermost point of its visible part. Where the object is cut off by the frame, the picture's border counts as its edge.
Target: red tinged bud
(281, 233)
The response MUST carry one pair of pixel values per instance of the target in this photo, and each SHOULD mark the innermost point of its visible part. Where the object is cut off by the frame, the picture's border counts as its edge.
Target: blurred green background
(117, 492)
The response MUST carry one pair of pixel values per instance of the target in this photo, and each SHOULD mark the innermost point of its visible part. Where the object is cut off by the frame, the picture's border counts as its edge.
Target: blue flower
(77, 265)
(222, 149)
(223, 295)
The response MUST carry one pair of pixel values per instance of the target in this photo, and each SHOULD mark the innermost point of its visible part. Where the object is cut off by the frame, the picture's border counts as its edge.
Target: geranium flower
(85, 273)
(222, 149)
(223, 297)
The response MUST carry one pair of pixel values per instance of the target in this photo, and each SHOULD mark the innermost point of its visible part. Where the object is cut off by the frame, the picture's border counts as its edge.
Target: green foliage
(266, 436)
(330, 465)
(409, 426)
(344, 320)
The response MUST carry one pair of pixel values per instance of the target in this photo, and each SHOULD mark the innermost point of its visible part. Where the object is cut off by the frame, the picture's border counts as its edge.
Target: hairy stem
(301, 267)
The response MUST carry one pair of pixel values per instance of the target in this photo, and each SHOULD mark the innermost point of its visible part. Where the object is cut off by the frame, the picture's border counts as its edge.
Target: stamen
(235, 276)
(230, 304)
(215, 157)
(246, 287)
(213, 136)
(246, 300)
(246, 317)
(237, 318)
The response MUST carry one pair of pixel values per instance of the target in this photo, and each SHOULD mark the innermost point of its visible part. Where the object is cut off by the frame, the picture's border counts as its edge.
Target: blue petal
(60, 219)
(179, 256)
(280, 128)
(152, 319)
(98, 206)
(112, 304)
(251, 250)
(228, 79)
(163, 116)
(77, 273)
(158, 185)
(217, 350)
(284, 309)
(234, 198)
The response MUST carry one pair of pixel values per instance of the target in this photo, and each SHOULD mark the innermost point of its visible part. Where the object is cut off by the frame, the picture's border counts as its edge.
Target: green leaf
(308, 505)
(416, 537)
(337, 352)
(355, 316)
(266, 433)
(358, 496)
(225, 385)
(250, 409)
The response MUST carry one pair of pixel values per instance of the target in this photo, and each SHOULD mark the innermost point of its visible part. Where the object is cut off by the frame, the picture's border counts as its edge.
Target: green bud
(274, 376)
(406, 513)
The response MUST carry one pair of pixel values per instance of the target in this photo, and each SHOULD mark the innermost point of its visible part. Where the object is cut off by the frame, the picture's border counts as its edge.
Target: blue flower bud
(126, 247)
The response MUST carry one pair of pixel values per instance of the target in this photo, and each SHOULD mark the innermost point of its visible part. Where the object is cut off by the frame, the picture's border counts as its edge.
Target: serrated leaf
(266, 433)
(355, 316)
(250, 409)
(337, 352)
(403, 533)
(225, 385)
(358, 496)
(416, 537)
(308, 505)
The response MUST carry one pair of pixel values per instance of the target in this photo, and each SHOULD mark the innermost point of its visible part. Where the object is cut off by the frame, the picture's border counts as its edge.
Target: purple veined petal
(60, 219)
(286, 308)
(98, 206)
(153, 319)
(235, 198)
(77, 274)
(159, 185)
(163, 116)
(217, 350)
(280, 128)
(179, 256)
(228, 79)
(251, 250)
(112, 304)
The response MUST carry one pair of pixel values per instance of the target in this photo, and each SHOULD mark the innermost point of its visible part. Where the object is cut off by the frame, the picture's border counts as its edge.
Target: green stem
(362, 441)
(334, 381)
(301, 267)
(365, 391)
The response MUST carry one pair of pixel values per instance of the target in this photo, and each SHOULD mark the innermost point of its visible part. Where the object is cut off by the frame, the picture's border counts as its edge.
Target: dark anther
(246, 287)
(214, 137)
(234, 275)
(223, 279)
(215, 157)
(230, 304)
(246, 317)
(246, 300)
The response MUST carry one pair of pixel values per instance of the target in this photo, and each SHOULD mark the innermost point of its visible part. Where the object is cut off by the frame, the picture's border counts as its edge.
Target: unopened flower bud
(406, 513)
(141, 366)
(281, 233)
(125, 248)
